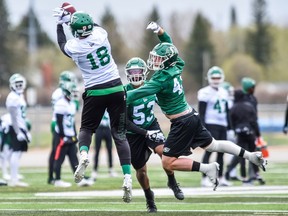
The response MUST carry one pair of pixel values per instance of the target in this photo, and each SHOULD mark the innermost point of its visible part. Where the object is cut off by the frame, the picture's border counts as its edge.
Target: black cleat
(176, 190)
(150, 204)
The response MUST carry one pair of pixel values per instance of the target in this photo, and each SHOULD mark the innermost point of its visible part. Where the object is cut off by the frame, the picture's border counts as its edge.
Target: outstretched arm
(162, 34)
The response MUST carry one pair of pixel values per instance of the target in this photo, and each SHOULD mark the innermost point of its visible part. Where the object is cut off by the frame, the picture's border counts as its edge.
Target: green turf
(23, 201)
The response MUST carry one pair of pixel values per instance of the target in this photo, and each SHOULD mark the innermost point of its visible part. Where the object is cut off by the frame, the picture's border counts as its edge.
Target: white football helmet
(17, 83)
(136, 71)
(215, 76)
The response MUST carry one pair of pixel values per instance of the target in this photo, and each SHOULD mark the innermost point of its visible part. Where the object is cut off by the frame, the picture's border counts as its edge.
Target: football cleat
(60, 183)
(127, 188)
(205, 182)
(176, 190)
(83, 163)
(257, 159)
(150, 204)
(212, 174)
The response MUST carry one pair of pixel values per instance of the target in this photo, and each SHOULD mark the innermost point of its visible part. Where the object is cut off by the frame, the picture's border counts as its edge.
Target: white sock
(14, 165)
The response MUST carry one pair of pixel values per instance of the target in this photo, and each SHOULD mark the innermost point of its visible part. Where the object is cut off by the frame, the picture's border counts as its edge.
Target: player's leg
(98, 142)
(143, 179)
(92, 112)
(231, 148)
(172, 182)
(117, 113)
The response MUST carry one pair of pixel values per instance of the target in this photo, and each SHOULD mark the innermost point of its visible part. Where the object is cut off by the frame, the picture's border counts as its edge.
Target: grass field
(104, 197)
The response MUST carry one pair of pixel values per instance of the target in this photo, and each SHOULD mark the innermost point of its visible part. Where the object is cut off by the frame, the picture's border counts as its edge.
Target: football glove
(62, 15)
(154, 27)
(285, 129)
(156, 136)
(21, 136)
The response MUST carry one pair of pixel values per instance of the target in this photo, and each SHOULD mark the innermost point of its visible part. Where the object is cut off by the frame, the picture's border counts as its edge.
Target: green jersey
(167, 85)
(140, 111)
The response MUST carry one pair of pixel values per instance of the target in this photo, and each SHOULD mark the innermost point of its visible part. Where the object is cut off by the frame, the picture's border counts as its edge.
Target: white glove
(156, 136)
(21, 136)
(154, 27)
(62, 15)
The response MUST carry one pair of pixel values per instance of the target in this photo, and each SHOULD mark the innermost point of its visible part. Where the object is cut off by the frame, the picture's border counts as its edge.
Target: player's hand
(156, 136)
(62, 15)
(285, 129)
(154, 27)
(21, 136)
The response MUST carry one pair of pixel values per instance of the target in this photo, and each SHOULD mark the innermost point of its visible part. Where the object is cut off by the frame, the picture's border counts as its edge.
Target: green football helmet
(215, 76)
(67, 76)
(68, 89)
(162, 56)
(17, 83)
(136, 71)
(81, 24)
(248, 85)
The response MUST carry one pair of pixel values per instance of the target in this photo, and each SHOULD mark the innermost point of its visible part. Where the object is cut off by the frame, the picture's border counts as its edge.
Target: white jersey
(56, 95)
(105, 121)
(68, 110)
(216, 112)
(93, 57)
(17, 101)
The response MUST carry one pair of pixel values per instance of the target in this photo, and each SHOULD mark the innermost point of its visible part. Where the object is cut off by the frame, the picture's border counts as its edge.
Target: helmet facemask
(215, 77)
(162, 56)
(136, 71)
(17, 83)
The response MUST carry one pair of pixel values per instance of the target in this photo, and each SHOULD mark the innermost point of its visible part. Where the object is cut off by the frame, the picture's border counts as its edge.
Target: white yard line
(167, 192)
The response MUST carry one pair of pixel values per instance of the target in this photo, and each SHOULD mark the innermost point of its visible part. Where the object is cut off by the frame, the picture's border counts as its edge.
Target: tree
(149, 38)
(6, 55)
(259, 41)
(119, 49)
(199, 52)
(233, 17)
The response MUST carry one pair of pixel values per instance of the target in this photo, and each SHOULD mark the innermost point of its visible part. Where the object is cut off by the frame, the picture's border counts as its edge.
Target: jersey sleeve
(165, 37)
(203, 95)
(147, 89)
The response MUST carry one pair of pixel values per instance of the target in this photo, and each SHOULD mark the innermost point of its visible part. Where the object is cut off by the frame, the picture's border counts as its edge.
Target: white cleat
(212, 174)
(257, 159)
(83, 163)
(223, 182)
(85, 182)
(127, 188)
(17, 184)
(112, 173)
(205, 182)
(60, 183)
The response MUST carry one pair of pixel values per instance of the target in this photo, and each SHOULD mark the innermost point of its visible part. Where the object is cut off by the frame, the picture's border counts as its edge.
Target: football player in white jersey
(5, 146)
(64, 136)
(20, 136)
(91, 51)
(213, 109)
(65, 76)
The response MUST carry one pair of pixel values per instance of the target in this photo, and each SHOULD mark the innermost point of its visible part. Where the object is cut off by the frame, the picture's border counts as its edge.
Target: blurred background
(245, 38)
